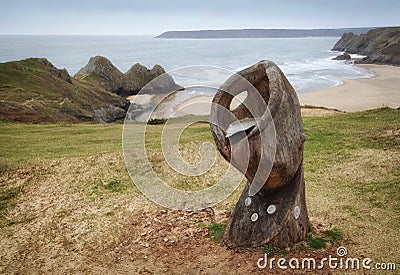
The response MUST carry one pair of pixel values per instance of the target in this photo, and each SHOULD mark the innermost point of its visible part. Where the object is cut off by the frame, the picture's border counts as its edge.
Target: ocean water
(305, 61)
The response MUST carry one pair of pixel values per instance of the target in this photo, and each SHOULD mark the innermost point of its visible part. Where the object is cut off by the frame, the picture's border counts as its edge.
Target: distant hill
(261, 33)
(381, 46)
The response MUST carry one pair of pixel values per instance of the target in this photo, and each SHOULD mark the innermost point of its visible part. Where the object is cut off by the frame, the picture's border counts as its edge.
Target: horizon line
(194, 30)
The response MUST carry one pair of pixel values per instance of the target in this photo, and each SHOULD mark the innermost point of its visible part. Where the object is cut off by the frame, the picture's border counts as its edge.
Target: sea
(307, 62)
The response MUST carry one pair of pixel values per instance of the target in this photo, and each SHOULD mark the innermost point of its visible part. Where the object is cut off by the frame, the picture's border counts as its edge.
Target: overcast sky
(156, 16)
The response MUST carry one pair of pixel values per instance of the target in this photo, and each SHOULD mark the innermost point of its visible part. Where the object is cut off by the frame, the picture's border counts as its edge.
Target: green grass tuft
(3, 166)
(157, 121)
(115, 186)
(8, 199)
(269, 250)
(316, 242)
(100, 188)
(333, 236)
(216, 231)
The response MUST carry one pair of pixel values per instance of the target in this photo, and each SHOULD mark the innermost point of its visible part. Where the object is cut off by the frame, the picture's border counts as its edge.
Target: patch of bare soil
(391, 134)
(172, 242)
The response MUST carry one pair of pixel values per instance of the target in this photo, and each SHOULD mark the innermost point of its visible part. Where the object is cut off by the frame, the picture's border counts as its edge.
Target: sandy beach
(140, 99)
(360, 94)
(381, 90)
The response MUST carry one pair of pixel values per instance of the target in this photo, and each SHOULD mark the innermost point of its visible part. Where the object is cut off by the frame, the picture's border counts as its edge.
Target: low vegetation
(64, 188)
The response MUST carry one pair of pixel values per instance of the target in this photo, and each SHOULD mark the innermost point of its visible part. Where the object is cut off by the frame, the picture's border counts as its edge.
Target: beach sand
(360, 94)
(140, 99)
(200, 105)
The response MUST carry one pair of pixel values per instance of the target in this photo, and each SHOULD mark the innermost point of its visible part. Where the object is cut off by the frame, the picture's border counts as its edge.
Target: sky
(151, 17)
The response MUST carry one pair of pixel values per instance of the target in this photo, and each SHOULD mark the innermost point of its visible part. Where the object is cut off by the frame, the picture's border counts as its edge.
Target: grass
(320, 241)
(337, 134)
(8, 200)
(216, 231)
(327, 137)
(190, 142)
(3, 167)
(351, 163)
(333, 236)
(99, 189)
(269, 250)
(26, 142)
(157, 121)
(316, 242)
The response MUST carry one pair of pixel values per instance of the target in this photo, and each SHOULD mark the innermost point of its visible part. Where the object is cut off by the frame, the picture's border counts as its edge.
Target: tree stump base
(279, 218)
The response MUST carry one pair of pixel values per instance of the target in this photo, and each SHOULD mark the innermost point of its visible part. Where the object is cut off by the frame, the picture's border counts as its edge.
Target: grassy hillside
(34, 90)
(66, 196)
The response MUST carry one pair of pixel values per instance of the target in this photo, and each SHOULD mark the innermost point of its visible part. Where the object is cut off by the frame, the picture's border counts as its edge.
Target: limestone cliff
(381, 46)
(100, 71)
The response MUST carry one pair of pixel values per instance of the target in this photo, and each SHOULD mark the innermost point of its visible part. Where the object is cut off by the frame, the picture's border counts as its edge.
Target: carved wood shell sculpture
(273, 106)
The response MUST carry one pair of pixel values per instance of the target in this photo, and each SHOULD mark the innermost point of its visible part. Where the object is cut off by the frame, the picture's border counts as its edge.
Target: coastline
(381, 90)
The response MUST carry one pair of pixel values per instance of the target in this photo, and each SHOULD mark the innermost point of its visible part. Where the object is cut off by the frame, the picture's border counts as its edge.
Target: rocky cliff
(381, 46)
(33, 90)
(100, 71)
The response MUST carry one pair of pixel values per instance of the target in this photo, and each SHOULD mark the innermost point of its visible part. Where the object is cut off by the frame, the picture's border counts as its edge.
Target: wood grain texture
(270, 156)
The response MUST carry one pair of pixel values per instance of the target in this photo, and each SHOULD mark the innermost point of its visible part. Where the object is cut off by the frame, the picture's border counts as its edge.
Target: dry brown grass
(82, 214)
(346, 196)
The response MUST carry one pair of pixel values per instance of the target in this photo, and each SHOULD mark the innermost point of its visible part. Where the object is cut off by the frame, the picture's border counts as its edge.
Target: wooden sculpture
(266, 131)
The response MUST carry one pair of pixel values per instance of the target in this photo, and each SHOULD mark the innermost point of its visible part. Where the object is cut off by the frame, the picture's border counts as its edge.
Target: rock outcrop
(381, 46)
(33, 90)
(344, 56)
(134, 79)
(161, 81)
(100, 71)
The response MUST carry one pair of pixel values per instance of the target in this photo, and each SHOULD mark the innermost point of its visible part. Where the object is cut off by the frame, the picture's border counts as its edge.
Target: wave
(312, 75)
